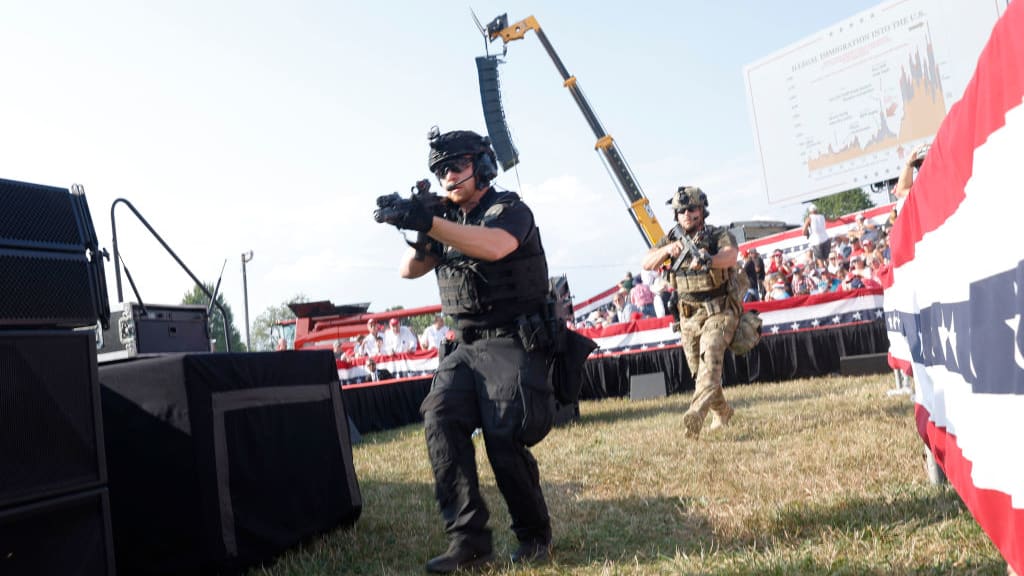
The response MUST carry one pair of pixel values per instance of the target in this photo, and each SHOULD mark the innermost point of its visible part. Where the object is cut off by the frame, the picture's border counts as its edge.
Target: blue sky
(272, 126)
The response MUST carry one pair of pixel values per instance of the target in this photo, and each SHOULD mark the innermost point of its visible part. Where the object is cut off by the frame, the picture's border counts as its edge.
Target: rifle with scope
(408, 213)
(691, 252)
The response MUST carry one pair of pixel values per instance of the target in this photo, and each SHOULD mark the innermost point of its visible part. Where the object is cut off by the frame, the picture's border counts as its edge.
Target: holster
(534, 333)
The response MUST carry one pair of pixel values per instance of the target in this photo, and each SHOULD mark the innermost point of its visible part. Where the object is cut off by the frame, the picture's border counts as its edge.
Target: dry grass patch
(820, 476)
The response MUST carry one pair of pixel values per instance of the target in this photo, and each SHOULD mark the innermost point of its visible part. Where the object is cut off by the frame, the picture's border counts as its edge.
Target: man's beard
(694, 226)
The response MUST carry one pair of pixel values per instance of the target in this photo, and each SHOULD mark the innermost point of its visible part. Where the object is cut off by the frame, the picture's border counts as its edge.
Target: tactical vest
(694, 282)
(700, 285)
(517, 283)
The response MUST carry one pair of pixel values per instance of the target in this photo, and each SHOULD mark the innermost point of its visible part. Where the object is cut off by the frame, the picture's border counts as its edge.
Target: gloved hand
(424, 246)
(416, 217)
(701, 263)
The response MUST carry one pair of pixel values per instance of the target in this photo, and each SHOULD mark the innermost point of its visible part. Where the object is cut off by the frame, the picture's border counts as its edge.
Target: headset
(485, 165)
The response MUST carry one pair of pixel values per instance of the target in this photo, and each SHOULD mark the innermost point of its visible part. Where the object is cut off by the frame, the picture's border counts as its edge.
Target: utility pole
(246, 257)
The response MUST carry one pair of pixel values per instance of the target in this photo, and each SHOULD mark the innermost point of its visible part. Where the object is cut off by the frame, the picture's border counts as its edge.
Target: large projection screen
(842, 108)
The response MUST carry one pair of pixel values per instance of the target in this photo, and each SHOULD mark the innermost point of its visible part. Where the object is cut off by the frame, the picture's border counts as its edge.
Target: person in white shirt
(370, 346)
(817, 235)
(399, 339)
(436, 333)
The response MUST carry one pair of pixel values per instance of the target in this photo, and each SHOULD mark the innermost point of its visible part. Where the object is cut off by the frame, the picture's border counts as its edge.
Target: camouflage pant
(705, 337)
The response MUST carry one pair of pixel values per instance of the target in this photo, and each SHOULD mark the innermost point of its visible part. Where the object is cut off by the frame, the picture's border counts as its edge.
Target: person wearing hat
(856, 249)
(492, 274)
(754, 269)
(777, 289)
(779, 265)
(801, 283)
(399, 339)
(708, 314)
(852, 281)
(817, 234)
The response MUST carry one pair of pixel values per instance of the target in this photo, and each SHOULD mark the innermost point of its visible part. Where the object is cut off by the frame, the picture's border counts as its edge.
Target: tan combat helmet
(689, 196)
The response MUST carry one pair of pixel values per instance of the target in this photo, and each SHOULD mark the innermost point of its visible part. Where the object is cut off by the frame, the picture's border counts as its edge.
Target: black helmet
(461, 143)
(689, 196)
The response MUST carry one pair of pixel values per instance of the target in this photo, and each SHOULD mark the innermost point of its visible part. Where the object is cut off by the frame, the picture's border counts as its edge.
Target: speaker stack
(54, 505)
(494, 113)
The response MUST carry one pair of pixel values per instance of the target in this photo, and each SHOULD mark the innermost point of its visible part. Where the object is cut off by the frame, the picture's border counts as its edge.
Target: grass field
(820, 476)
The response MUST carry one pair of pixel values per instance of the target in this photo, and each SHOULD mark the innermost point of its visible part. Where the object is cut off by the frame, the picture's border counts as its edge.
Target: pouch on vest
(565, 371)
(748, 333)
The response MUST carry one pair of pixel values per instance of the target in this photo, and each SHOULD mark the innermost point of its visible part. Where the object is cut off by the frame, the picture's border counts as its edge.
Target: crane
(639, 207)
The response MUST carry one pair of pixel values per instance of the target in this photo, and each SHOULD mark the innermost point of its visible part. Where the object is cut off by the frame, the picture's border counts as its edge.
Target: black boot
(458, 557)
(532, 551)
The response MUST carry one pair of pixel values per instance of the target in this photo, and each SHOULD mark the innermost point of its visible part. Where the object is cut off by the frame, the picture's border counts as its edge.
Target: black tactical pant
(495, 385)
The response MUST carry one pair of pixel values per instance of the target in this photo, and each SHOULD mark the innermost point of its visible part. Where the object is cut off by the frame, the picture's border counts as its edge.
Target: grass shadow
(800, 521)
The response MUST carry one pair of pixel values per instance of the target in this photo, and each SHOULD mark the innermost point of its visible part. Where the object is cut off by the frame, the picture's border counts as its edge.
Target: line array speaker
(494, 114)
(51, 272)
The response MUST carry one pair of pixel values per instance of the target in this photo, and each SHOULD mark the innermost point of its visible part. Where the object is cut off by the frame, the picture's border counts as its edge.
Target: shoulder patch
(494, 212)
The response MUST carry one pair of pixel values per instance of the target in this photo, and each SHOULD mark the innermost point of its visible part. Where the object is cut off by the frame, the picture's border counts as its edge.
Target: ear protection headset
(485, 164)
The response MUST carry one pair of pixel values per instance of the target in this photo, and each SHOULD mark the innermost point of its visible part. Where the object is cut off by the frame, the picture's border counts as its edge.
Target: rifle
(692, 251)
(393, 209)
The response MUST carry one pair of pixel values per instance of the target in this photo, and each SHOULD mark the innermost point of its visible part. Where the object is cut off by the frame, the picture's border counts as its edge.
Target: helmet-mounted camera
(460, 143)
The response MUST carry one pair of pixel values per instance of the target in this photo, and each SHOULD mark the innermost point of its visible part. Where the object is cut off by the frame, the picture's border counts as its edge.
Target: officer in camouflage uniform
(492, 273)
(708, 315)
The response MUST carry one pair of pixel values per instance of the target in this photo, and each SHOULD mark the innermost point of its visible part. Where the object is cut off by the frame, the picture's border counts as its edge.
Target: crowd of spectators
(847, 261)
(396, 339)
(638, 296)
(852, 260)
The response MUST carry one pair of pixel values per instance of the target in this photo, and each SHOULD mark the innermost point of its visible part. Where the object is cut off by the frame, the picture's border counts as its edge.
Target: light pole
(246, 257)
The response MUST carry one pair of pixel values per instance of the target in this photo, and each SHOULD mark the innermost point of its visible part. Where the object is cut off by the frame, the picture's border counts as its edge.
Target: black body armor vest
(493, 293)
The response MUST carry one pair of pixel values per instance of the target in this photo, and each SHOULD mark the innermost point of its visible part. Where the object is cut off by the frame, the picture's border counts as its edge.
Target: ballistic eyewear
(454, 165)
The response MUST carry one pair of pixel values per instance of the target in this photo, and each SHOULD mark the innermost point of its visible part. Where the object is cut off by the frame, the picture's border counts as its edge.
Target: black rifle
(393, 209)
(691, 252)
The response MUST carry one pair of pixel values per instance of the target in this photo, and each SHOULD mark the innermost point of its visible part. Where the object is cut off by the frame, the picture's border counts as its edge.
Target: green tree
(197, 297)
(836, 205)
(263, 336)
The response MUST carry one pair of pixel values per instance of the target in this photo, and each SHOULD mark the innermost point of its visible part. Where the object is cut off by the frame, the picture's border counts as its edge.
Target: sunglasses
(454, 165)
(690, 208)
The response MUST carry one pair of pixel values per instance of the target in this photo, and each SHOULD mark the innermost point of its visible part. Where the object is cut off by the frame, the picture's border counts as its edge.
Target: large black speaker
(220, 461)
(58, 536)
(494, 114)
(51, 272)
(51, 435)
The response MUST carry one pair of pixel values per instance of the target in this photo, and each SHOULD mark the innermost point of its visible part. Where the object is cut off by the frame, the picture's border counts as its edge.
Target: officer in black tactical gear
(492, 273)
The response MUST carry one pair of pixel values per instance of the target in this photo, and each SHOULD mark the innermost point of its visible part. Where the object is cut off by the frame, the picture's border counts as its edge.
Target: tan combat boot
(721, 418)
(692, 423)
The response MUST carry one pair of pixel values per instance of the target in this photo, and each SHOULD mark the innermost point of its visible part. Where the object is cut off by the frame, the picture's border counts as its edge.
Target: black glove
(424, 246)
(416, 217)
